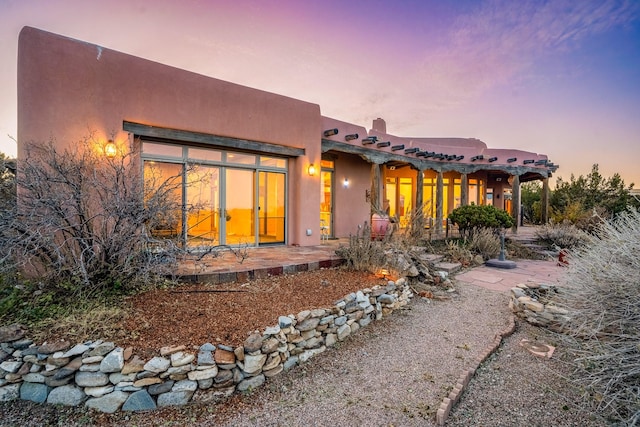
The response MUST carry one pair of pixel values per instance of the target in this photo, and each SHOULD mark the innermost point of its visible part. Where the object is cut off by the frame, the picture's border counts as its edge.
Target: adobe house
(277, 169)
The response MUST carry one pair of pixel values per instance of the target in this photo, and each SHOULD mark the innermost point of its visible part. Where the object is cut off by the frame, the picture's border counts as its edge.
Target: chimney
(380, 125)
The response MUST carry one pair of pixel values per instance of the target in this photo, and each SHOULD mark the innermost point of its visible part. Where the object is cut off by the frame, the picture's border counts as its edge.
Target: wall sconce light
(311, 170)
(110, 149)
(330, 132)
(351, 136)
(345, 183)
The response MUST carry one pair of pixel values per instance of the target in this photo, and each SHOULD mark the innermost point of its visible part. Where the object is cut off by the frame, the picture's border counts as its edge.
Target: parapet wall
(109, 378)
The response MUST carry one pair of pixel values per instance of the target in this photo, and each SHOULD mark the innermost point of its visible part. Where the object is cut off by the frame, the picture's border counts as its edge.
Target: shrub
(81, 219)
(486, 243)
(363, 253)
(602, 295)
(564, 236)
(456, 251)
(471, 218)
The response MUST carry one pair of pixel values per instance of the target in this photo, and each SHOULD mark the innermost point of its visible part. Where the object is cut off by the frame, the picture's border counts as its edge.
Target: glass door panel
(203, 206)
(163, 182)
(405, 198)
(326, 202)
(271, 207)
(239, 210)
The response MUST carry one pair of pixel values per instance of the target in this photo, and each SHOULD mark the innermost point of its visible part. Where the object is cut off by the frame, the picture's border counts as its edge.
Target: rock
(224, 357)
(290, 363)
(330, 339)
(109, 403)
(98, 391)
(57, 360)
(76, 350)
(272, 361)
(12, 332)
(203, 374)
(517, 292)
(269, 345)
(164, 387)
(91, 379)
(386, 299)
(272, 330)
(185, 385)
(223, 376)
(237, 375)
(94, 367)
(251, 383)
(67, 395)
(132, 366)
(102, 349)
(127, 353)
(364, 321)
(205, 384)
(253, 343)
(33, 378)
(11, 366)
(169, 350)
(157, 365)
(34, 392)
(69, 369)
(139, 401)
(92, 359)
(181, 359)
(318, 312)
(308, 324)
(174, 398)
(303, 315)
(343, 332)
(534, 306)
(339, 321)
(239, 352)
(21, 344)
(113, 362)
(354, 327)
(52, 382)
(253, 364)
(9, 392)
(178, 370)
(205, 358)
(313, 343)
(273, 372)
(285, 322)
(147, 382)
(310, 353)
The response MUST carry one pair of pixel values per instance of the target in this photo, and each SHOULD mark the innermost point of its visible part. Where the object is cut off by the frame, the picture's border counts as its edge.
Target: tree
(82, 218)
(531, 197)
(576, 199)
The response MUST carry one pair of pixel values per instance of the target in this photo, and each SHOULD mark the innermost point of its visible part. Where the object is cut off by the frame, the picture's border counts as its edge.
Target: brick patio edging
(463, 381)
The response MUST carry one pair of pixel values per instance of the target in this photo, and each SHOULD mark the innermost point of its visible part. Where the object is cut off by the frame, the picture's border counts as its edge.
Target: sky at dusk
(560, 78)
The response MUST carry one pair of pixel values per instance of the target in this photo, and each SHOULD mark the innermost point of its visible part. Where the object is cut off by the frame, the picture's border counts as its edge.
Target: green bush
(471, 218)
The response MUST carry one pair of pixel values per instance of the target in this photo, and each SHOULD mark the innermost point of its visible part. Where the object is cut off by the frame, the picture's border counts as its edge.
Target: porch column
(515, 202)
(544, 202)
(439, 197)
(418, 221)
(376, 188)
(464, 190)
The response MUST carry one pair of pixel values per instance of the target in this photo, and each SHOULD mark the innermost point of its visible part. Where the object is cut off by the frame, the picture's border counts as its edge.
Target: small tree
(82, 218)
(474, 217)
(7, 182)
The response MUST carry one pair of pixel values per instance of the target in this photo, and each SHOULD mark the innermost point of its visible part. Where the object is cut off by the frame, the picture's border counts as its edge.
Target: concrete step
(449, 267)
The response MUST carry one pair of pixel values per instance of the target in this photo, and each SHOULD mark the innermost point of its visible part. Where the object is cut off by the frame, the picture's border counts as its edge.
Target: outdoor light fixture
(311, 170)
(529, 161)
(411, 150)
(384, 144)
(492, 159)
(512, 159)
(383, 272)
(351, 136)
(478, 157)
(397, 147)
(369, 140)
(110, 149)
(345, 183)
(330, 132)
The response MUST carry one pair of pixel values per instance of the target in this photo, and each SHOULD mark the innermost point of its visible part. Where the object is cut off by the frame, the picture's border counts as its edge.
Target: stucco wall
(68, 88)
(351, 206)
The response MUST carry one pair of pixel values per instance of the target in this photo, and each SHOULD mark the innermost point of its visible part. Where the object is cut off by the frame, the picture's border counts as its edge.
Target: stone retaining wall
(535, 304)
(109, 378)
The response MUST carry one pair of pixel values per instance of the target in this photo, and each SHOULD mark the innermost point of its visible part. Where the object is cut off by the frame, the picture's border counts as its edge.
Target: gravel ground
(392, 373)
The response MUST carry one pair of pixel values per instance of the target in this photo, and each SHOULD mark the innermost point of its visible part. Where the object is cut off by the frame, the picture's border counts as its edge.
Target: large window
(221, 197)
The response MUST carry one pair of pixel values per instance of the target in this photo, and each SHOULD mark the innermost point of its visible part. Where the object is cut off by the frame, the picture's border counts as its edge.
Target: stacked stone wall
(535, 303)
(109, 378)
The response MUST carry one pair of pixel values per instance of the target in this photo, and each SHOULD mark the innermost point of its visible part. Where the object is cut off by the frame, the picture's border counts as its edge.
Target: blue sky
(555, 77)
